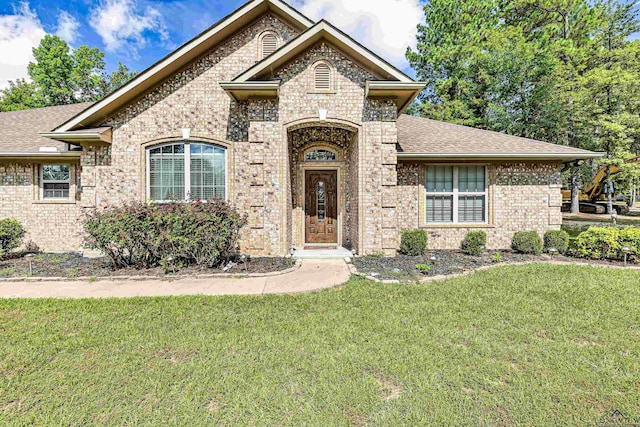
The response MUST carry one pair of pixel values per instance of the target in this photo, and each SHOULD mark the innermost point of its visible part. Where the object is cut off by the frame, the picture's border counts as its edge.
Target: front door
(321, 207)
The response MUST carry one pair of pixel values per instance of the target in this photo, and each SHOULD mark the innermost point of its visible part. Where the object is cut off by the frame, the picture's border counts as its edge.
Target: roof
(424, 138)
(186, 53)
(20, 130)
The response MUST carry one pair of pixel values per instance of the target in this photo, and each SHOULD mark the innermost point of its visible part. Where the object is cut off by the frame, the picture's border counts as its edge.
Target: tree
(61, 76)
(117, 78)
(562, 71)
(20, 95)
(52, 71)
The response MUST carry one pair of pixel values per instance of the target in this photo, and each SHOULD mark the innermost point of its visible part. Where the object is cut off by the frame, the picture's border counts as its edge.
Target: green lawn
(522, 345)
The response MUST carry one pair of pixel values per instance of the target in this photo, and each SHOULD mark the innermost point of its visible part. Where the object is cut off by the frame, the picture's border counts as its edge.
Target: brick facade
(265, 141)
(520, 197)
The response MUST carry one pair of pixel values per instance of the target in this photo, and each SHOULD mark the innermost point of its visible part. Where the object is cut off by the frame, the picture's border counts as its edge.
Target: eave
(40, 155)
(83, 135)
(254, 89)
(499, 156)
(402, 92)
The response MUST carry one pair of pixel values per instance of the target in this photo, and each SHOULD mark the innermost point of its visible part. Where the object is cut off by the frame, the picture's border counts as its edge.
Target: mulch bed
(75, 265)
(403, 267)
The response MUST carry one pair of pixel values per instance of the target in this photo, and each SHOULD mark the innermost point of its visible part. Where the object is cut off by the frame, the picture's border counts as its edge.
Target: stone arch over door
(332, 137)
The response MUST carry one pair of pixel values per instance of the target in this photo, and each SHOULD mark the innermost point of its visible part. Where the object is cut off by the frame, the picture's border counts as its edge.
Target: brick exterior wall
(52, 225)
(521, 197)
(264, 139)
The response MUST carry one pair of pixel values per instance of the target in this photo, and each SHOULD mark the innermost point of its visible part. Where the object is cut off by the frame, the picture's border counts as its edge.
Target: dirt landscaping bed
(75, 265)
(445, 262)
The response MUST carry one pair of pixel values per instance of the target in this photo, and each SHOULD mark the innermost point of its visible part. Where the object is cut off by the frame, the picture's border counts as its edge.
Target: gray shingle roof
(417, 135)
(20, 130)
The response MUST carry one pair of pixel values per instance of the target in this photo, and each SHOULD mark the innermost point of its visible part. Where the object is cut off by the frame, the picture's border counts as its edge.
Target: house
(294, 123)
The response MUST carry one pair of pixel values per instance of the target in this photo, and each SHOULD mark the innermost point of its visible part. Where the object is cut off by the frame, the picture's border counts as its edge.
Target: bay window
(186, 171)
(455, 194)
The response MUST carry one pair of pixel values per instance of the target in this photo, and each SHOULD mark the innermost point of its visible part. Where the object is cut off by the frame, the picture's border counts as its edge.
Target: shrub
(558, 239)
(496, 257)
(474, 243)
(527, 242)
(598, 243)
(413, 242)
(150, 235)
(11, 234)
(630, 237)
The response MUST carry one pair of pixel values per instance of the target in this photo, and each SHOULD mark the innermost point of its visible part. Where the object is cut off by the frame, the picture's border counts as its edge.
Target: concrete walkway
(311, 276)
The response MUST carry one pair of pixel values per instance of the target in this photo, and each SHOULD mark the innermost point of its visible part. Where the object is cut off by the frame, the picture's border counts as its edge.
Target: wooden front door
(321, 207)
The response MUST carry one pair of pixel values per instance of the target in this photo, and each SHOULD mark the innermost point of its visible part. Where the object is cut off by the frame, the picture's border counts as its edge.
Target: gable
(325, 32)
(183, 56)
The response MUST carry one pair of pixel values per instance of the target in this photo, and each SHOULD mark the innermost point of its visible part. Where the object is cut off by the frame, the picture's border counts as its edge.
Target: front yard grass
(514, 345)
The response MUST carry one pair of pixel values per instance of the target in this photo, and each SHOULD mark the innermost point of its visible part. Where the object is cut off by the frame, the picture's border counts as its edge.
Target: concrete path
(311, 276)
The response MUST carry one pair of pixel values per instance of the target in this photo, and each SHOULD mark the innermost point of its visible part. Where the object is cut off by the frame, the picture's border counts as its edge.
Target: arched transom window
(186, 171)
(269, 44)
(320, 155)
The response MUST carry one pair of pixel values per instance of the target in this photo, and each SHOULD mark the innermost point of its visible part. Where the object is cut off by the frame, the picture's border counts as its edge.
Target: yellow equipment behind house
(593, 198)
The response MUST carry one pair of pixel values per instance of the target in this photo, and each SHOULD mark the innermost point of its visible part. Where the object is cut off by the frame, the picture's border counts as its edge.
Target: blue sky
(139, 32)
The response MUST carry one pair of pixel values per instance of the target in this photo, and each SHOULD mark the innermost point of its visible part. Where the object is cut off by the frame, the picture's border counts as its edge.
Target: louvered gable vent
(269, 45)
(323, 77)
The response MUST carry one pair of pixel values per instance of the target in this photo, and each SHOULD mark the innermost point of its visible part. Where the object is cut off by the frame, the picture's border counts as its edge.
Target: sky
(140, 32)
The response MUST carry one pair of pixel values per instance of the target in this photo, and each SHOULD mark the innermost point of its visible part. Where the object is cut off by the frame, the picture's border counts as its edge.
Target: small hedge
(558, 239)
(474, 243)
(413, 242)
(146, 235)
(608, 243)
(11, 234)
(527, 242)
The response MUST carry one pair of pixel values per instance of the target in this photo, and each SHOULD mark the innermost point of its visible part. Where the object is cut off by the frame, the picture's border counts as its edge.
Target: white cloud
(19, 34)
(387, 27)
(122, 23)
(67, 27)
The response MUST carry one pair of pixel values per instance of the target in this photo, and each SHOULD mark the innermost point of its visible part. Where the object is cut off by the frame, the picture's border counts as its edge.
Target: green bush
(558, 239)
(145, 235)
(474, 243)
(630, 237)
(413, 242)
(527, 242)
(598, 243)
(496, 257)
(11, 234)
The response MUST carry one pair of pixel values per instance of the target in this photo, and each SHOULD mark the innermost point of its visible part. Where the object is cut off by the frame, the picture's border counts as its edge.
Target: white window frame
(187, 167)
(456, 193)
(43, 182)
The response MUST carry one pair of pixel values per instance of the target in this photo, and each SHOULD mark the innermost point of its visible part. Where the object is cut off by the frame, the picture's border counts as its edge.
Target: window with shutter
(269, 45)
(322, 77)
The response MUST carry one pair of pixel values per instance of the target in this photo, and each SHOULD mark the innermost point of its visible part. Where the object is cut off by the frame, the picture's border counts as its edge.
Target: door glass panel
(320, 194)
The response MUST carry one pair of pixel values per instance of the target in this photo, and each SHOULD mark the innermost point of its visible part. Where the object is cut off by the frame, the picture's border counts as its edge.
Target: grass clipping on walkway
(536, 345)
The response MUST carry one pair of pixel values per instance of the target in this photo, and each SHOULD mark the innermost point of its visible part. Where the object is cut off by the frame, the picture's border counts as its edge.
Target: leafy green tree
(20, 95)
(87, 73)
(61, 76)
(117, 78)
(52, 71)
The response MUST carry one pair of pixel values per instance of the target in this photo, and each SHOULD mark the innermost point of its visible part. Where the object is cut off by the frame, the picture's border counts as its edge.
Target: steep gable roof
(182, 56)
(323, 30)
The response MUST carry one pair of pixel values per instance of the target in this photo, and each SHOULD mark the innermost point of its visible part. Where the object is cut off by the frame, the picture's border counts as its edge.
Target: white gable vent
(322, 77)
(269, 45)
